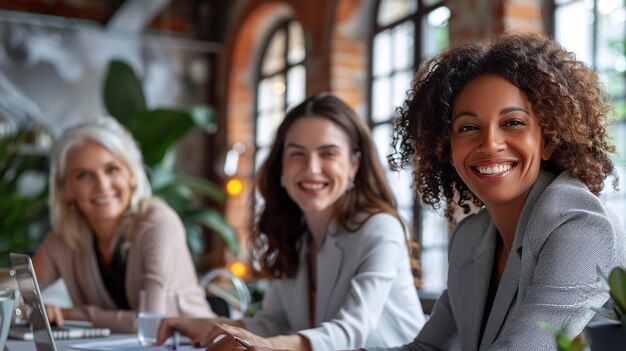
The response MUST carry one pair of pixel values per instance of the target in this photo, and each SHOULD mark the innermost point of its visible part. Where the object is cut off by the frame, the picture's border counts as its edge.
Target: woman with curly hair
(517, 128)
(329, 236)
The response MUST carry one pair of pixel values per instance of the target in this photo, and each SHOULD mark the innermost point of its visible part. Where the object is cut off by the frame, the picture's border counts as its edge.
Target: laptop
(40, 330)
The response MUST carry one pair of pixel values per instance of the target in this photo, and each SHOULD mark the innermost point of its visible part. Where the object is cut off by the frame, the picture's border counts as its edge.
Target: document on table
(126, 344)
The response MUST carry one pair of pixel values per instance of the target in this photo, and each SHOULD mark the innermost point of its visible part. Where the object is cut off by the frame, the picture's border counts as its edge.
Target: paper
(127, 344)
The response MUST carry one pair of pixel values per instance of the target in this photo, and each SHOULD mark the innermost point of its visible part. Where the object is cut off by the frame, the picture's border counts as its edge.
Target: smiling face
(99, 183)
(496, 142)
(318, 165)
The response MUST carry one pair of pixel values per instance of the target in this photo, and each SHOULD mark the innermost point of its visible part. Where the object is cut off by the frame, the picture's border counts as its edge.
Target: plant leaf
(204, 117)
(216, 222)
(606, 313)
(617, 282)
(158, 130)
(123, 93)
(204, 187)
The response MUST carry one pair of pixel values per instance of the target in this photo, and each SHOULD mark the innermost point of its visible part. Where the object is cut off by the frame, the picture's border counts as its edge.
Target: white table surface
(20, 345)
(62, 345)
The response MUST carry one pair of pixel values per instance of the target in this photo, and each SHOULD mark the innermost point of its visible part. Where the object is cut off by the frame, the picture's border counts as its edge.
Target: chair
(221, 300)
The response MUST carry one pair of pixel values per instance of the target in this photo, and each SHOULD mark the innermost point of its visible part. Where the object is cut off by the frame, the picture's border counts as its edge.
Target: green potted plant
(23, 205)
(611, 334)
(157, 131)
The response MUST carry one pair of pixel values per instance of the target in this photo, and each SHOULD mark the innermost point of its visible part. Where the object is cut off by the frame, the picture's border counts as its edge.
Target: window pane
(296, 43)
(434, 250)
(611, 26)
(274, 59)
(394, 10)
(400, 181)
(435, 35)
(381, 64)
(381, 100)
(264, 133)
(573, 28)
(264, 95)
(614, 81)
(296, 85)
(381, 135)
(403, 45)
(435, 269)
(401, 84)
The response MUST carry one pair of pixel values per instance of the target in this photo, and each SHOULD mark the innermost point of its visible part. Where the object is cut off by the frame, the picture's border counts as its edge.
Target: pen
(241, 341)
(176, 340)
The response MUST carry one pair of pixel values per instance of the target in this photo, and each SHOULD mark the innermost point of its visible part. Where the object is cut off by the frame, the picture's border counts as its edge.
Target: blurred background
(244, 62)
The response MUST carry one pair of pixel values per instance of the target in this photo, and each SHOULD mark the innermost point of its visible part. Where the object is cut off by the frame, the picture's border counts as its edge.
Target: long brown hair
(280, 227)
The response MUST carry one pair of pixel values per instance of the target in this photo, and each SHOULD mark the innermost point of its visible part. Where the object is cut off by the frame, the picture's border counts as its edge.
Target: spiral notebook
(39, 329)
(67, 331)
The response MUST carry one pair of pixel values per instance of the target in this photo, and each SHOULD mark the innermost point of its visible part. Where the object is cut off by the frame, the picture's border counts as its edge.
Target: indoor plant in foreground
(611, 334)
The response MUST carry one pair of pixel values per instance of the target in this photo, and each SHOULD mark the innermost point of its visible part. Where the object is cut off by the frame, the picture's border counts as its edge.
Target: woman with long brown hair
(330, 237)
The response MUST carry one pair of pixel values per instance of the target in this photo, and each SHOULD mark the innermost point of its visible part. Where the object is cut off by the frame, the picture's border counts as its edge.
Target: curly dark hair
(280, 228)
(568, 99)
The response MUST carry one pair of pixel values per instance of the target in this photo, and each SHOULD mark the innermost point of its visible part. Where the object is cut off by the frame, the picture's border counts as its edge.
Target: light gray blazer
(563, 233)
(365, 292)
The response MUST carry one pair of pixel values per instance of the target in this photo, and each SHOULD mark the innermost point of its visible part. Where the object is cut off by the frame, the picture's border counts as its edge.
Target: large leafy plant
(23, 189)
(157, 131)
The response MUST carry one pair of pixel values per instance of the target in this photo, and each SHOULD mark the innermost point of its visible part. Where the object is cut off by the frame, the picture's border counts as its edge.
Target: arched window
(406, 32)
(595, 30)
(281, 82)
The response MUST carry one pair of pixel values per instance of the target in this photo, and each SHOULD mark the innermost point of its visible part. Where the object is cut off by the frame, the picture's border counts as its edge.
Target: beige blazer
(365, 292)
(563, 234)
(158, 262)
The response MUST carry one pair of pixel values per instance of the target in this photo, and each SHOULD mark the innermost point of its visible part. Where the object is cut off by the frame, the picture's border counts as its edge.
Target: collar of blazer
(475, 275)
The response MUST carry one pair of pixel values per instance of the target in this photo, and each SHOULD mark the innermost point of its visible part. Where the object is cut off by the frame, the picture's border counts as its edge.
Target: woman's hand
(56, 315)
(231, 338)
(194, 329)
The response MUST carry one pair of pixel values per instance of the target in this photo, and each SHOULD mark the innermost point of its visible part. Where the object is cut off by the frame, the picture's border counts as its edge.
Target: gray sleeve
(439, 332)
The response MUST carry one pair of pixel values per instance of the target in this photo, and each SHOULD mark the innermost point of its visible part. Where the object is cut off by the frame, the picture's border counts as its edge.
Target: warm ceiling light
(234, 187)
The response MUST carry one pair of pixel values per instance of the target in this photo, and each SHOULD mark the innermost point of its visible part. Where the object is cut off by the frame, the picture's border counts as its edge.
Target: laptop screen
(29, 289)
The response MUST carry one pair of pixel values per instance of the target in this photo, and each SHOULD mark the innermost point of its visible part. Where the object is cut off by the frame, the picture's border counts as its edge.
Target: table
(62, 345)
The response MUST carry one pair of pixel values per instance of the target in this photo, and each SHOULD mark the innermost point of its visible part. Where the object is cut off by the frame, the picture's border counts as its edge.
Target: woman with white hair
(110, 238)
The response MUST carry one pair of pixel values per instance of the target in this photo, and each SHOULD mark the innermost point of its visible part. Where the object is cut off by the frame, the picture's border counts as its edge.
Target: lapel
(509, 283)
(297, 292)
(329, 264)
(474, 287)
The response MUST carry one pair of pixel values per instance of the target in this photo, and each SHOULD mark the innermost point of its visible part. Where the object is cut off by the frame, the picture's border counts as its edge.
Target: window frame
(417, 18)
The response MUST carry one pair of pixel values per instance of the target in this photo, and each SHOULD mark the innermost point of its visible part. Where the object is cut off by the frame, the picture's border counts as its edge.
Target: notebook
(39, 329)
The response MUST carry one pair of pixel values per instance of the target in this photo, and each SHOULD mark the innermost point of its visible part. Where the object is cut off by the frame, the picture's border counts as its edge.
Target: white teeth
(312, 186)
(494, 169)
(102, 200)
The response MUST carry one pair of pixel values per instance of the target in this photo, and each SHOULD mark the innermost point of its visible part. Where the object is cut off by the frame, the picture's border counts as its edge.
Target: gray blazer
(365, 292)
(563, 233)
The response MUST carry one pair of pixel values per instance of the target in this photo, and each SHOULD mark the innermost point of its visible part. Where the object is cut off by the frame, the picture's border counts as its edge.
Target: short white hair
(65, 218)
